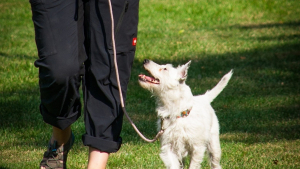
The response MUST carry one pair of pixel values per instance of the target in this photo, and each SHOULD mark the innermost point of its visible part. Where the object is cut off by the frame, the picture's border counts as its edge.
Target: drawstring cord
(119, 85)
(76, 10)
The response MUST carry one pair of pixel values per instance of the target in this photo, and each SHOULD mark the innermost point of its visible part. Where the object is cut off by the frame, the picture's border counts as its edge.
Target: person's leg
(97, 159)
(59, 38)
(103, 113)
(60, 138)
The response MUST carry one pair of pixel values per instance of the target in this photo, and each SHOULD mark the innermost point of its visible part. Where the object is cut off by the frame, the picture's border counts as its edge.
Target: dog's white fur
(194, 134)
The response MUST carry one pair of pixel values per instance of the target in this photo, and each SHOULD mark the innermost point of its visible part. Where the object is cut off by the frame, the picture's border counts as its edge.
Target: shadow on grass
(1, 167)
(261, 124)
(268, 25)
(18, 56)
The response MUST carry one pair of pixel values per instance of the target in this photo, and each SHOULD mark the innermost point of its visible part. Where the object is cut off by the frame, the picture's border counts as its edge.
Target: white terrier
(189, 122)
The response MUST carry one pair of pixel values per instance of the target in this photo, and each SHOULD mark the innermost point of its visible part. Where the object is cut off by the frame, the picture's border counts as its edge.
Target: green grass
(259, 111)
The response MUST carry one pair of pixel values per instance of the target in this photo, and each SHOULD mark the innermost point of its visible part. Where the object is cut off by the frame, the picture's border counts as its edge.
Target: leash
(119, 85)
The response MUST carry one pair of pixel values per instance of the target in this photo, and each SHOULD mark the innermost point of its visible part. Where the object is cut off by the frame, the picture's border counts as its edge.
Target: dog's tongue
(148, 79)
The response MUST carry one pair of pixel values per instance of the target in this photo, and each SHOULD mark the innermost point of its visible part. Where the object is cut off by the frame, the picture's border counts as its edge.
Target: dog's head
(163, 77)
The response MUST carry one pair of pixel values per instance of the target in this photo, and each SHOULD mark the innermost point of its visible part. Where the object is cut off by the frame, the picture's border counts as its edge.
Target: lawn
(259, 110)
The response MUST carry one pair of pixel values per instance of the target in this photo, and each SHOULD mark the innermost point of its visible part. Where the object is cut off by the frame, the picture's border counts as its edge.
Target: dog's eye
(162, 69)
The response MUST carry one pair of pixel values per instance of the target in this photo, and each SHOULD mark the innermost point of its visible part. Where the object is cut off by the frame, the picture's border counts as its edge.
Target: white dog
(189, 122)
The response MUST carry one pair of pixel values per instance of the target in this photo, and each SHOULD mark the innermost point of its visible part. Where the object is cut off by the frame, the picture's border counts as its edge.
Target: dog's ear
(183, 70)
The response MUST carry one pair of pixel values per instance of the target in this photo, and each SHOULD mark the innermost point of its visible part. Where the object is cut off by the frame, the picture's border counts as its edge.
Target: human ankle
(61, 136)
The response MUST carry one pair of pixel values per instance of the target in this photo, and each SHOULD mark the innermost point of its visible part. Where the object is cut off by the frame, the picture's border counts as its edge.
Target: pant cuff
(102, 144)
(59, 122)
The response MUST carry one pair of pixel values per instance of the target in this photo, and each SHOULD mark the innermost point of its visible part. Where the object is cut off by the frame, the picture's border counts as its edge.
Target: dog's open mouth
(148, 79)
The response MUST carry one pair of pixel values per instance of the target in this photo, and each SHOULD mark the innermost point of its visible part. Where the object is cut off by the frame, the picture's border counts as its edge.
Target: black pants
(73, 38)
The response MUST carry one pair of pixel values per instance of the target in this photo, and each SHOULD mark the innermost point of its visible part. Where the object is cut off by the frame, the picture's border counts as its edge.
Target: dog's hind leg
(196, 157)
(169, 158)
(214, 152)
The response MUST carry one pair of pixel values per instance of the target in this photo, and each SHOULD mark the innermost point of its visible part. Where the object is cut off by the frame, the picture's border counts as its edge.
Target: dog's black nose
(146, 61)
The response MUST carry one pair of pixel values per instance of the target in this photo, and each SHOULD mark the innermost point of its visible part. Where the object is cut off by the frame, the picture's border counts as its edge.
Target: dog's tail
(212, 94)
